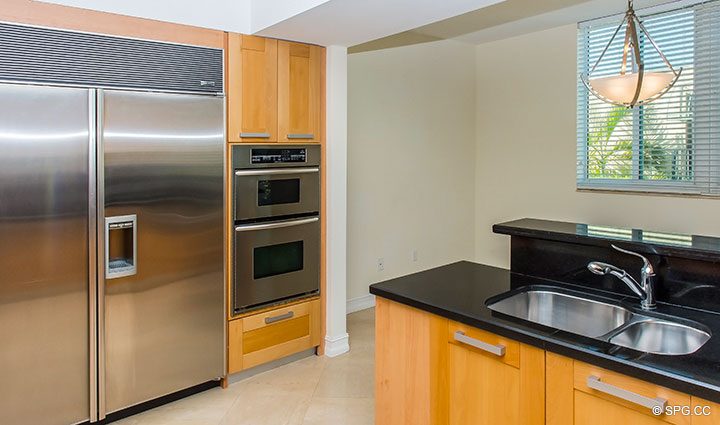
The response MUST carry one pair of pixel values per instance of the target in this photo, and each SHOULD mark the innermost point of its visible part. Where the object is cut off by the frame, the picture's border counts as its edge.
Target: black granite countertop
(643, 241)
(459, 292)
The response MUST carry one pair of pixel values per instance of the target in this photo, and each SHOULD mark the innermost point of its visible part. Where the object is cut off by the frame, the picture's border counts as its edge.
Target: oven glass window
(273, 260)
(273, 192)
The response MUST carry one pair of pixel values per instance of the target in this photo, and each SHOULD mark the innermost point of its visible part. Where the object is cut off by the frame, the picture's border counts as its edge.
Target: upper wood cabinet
(299, 92)
(275, 90)
(252, 89)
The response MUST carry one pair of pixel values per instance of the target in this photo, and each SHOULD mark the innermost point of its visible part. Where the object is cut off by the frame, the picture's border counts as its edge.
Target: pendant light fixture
(637, 86)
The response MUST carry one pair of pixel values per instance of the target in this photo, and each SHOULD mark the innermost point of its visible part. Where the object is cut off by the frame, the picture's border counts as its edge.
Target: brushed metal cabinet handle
(278, 318)
(268, 172)
(595, 383)
(267, 226)
(256, 135)
(300, 136)
(498, 350)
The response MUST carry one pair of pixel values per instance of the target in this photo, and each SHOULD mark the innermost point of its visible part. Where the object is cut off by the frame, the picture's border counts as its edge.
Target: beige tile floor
(311, 391)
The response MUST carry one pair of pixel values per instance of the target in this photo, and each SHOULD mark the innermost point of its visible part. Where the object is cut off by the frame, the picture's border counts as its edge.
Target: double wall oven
(276, 220)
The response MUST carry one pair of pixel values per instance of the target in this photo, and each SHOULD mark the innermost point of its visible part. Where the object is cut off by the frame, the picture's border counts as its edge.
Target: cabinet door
(501, 387)
(582, 394)
(300, 74)
(252, 89)
(409, 366)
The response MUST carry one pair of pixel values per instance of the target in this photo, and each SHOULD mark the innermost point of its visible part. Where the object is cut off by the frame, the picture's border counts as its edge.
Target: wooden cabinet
(273, 334)
(433, 371)
(409, 365)
(493, 380)
(275, 90)
(426, 376)
(582, 394)
(252, 89)
(299, 91)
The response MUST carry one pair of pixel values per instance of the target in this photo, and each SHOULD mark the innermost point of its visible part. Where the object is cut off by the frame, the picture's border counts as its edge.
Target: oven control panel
(278, 155)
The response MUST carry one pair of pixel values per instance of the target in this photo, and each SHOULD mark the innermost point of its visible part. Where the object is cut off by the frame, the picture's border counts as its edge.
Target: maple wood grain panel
(674, 398)
(72, 18)
(300, 77)
(559, 389)
(405, 385)
(699, 405)
(252, 91)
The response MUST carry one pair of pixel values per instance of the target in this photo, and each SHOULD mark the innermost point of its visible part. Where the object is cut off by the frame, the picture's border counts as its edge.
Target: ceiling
(506, 19)
(323, 22)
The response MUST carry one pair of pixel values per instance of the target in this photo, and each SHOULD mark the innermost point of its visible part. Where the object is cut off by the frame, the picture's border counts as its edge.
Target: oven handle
(267, 226)
(266, 172)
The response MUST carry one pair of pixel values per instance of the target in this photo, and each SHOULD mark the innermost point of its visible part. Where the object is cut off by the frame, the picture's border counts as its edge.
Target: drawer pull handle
(595, 383)
(300, 136)
(274, 171)
(278, 318)
(255, 135)
(498, 350)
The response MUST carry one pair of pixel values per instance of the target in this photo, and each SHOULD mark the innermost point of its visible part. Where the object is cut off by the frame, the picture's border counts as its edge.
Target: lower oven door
(275, 261)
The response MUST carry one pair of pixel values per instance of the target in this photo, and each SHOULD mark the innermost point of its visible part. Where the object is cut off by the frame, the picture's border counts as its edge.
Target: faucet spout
(644, 289)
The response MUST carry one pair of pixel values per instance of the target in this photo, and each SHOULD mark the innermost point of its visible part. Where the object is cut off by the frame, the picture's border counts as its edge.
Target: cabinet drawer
(627, 392)
(493, 346)
(270, 335)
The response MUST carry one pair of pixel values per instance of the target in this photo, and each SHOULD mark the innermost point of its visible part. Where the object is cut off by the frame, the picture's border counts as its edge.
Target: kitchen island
(444, 357)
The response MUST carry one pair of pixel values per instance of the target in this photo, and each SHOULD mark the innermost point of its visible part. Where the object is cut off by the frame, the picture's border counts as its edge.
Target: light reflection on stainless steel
(565, 312)
(44, 360)
(603, 321)
(164, 325)
(661, 337)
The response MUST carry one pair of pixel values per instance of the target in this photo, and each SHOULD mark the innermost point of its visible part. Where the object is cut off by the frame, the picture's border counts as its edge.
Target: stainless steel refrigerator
(111, 249)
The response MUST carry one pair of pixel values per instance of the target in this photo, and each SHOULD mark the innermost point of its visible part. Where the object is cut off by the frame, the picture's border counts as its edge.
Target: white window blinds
(669, 145)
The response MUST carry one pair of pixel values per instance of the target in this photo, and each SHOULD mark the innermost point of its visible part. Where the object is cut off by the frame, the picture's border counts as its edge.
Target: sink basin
(661, 337)
(562, 311)
(603, 321)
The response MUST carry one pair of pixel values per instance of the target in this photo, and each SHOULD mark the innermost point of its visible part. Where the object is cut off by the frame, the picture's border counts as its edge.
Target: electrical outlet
(414, 256)
(381, 264)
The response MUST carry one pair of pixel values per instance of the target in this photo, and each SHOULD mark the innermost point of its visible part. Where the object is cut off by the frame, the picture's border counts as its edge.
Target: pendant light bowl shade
(621, 89)
(637, 85)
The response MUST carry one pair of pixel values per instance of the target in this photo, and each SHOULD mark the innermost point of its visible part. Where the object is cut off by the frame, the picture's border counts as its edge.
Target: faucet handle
(647, 266)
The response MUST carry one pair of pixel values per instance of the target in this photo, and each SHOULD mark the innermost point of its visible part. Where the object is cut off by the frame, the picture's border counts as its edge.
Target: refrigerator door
(44, 255)
(164, 271)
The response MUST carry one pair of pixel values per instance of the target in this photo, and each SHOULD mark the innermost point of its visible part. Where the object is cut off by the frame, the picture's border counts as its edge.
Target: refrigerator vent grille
(32, 54)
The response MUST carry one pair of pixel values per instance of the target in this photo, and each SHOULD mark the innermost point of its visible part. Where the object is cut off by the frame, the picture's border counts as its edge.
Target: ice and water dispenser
(120, 246)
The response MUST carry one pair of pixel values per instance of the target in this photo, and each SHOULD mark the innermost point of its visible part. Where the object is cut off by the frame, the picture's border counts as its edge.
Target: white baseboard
(337, 345)
(360, 303)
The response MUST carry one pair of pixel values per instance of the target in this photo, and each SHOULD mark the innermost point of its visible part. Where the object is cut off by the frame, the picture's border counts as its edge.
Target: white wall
(411, 148)
(525, 163)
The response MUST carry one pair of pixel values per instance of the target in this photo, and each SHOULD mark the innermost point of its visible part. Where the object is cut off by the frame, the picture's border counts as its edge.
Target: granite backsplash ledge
(687, 266)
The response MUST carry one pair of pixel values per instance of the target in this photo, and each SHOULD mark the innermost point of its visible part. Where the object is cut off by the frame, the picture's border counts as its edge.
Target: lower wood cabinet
(273, 334)
(493, 380)
(433, 371)
(582, 394)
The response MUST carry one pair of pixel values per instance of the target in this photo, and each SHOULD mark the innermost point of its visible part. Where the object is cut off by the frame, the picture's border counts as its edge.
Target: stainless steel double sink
(603, 321)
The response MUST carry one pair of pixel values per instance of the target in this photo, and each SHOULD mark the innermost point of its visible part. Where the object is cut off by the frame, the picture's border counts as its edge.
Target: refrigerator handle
(100, 249)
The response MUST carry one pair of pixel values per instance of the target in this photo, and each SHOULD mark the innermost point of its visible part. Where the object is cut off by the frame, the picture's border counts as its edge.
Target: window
(673, 143)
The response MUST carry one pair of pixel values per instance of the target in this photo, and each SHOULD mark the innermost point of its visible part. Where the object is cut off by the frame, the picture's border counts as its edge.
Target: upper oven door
(273, 192)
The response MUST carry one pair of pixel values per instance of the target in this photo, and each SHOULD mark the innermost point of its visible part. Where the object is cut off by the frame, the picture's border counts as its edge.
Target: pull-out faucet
(645, 289)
